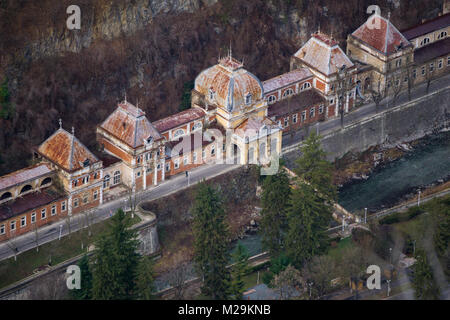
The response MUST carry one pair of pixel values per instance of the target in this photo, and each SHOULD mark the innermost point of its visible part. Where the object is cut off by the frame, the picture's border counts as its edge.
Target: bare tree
(396, 89)
(411, 76)
(178, 276)
(320, 271)
(342, 85)
(49, 287)
(288, 283)
(12, 243)
(429, 75)
(36, 234)
(378, 94)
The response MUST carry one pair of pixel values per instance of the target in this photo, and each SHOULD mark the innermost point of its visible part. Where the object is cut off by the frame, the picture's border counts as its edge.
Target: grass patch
(407, 215)
(55, 252)
(336, 252)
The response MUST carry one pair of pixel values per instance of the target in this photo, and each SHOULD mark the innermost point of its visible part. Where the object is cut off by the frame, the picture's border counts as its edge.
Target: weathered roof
(286, 79)
(66, 151)
(323, 54)
(28, 202)
(130, 125)
(381, 34)
(230, 83)
(252, 125)
(427, 27)
(25, 174)
(296, 103)
(431, 51)
(178, 119)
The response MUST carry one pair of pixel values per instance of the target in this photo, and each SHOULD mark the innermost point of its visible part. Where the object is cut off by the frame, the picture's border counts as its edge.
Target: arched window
(178, 133)
(288, 92)
(251, 155)
(196, 126)
(424, 41)
(248, 98)
(106, 181)
(272, 99)
(441, 35)
(5, 196)
(304, 86)
(46, 181)
(116, 177)
(26, 188)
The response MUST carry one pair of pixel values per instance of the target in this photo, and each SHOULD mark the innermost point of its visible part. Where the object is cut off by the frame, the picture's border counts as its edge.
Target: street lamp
(388, 287)
(310, 286)
(390, 254)
(60, 231)
(418, 199)
(365, 215)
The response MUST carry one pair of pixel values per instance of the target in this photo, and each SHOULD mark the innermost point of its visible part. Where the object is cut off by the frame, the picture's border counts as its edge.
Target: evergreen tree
(145, 279)
(85, 292)
(425, 287)
(313, 167)
(275, 201)
(239, 270)
(186, 97)
(211, 242)
(116, 260)
(308, 219)
(6, 107)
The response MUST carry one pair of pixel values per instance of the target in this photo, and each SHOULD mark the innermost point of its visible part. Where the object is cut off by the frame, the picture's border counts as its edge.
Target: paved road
(52, 232)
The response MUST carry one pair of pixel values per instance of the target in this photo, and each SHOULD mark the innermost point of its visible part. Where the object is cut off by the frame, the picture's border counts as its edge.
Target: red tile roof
(24, 175)
(380, 34)
(286, 79)
(130, 125)
(427, 27)
(28, 202)
(179, 119)
(296, 103)
(323, 54)
(66, 151)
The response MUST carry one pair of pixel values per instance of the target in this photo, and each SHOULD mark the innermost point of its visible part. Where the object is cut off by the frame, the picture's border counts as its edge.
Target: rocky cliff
(148, 49)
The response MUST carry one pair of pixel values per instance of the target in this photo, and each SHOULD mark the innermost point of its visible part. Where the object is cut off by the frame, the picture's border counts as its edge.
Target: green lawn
(342, 245)
(56, 251)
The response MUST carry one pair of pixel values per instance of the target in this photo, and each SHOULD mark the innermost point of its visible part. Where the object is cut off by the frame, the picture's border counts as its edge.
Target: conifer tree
(313, 167)
(211, 242)
(145, 279)
(308, 218)
(116, 261)
(6, 107)
(425, 287)
(85, 292)
(275, 201)
(239, 270)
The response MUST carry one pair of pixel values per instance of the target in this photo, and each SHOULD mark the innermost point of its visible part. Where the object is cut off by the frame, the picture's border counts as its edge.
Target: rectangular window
(43, 213)
(423, 70)
(398, 63)
(312, 112)
(95, 194)
(321, 109)
(158, 167)
(75, 202)
(13, 225)
(414, 73)
(294, 118)
(177, 164)
(223, 147)
(53, 210)
(168, 167)
(440, 63)
(2, 229)
(194, 156)
(185, 160)
(85, 179)
(33, 217)
(448, 60)
(303, 116)
(23, 221)
(85, 198)
(431, 67)
(286, 122)
(63, 206)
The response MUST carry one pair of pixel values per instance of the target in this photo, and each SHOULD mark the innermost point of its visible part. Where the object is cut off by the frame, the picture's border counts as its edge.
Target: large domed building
(237, 96)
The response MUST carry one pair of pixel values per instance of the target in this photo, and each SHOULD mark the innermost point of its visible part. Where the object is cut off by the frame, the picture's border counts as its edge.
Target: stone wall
(403, 123)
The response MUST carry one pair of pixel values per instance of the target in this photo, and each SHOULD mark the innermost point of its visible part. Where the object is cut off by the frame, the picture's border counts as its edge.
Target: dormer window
(149, 140)
(211, 94)
(86, 163)
(248, 99)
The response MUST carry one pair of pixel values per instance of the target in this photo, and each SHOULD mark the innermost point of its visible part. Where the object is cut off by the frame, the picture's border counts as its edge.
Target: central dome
(229, 85)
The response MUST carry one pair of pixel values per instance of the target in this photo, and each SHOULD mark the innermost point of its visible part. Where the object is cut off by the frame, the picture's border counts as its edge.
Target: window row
(312, 113)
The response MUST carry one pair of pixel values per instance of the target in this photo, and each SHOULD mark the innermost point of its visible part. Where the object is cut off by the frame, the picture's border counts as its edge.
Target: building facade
(234, 118)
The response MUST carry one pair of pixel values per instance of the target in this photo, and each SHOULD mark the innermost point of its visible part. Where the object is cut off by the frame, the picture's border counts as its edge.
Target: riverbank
(388, 176)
